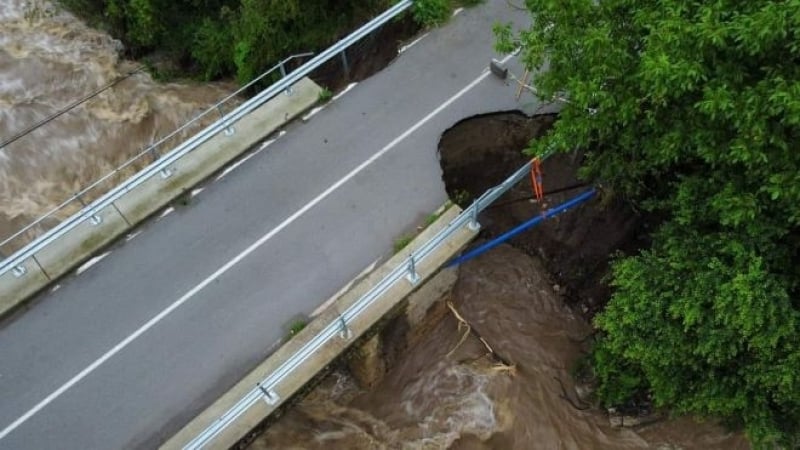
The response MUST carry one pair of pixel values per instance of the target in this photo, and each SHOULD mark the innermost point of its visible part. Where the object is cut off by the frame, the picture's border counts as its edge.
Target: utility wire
(70, 107)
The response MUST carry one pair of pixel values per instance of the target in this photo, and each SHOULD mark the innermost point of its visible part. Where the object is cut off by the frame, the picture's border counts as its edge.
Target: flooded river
(433, 398)
(465, 400)
(48, 61)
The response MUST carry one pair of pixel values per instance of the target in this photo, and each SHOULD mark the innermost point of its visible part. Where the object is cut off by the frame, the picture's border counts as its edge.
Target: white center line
(227, 266)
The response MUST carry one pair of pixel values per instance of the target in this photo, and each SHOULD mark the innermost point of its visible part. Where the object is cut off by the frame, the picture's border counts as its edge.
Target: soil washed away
(465, 401)
(531, 302)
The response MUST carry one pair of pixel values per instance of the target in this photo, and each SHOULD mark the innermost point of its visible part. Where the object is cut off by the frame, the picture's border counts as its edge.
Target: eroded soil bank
(446, 390)
(445, 393)
(479, 152)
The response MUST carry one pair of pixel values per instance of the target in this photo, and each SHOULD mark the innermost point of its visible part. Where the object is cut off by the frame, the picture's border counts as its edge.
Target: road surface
(126, 352)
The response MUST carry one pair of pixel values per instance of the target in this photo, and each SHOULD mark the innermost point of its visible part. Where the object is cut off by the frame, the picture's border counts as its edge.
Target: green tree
(431, 12)
(691, 110)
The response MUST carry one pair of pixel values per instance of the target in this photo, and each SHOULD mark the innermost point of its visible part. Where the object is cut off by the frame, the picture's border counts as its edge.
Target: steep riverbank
(433, 398)
(530, 301)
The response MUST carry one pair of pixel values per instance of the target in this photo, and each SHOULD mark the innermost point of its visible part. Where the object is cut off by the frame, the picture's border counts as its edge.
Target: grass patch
(296, 326)
(325, 95)
(462, 198)
(402, 242)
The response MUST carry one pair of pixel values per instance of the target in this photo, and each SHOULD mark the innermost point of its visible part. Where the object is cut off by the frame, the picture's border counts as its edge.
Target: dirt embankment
(495, 371)
(479, 152)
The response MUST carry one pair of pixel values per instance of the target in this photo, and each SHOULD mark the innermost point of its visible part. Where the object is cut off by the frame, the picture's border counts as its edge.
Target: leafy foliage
(690, 109)
(431, 12)
(216, 38)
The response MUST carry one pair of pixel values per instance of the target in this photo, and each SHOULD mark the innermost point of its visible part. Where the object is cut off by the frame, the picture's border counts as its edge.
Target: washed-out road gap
(87, 367)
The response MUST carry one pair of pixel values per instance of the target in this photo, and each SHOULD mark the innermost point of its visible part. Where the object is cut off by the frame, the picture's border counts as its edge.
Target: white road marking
(90, 263)
(457, 11)
(55, 288)
(344, 91)
(413, 43)
(233, 166)
(132, 235)
(313, 112)
(272, 141)
(167, 212)
(196, 192)
(227, 266)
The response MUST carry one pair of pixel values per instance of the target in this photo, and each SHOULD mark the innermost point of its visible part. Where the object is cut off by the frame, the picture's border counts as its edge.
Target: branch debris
(501, 364)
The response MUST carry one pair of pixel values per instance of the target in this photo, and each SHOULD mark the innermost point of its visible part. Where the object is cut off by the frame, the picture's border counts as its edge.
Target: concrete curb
(75, 247)
(332, 349)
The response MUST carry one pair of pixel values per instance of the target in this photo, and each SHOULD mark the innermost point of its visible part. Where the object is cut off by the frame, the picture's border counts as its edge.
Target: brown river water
(465, 401)
(48, 60)
(431, 399)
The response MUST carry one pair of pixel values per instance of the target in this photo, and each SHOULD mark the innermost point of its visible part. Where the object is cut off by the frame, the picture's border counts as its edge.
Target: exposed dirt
(479, 152)
(368, 56)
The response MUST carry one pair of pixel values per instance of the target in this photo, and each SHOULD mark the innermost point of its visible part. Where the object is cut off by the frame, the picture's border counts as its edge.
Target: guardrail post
(19, 271)
(474, 225)
(412, 276)
(166, 172)
(345, 332)
(94, 218)
(345, 64)
(288, 90)
(229, 130)
(269, 395)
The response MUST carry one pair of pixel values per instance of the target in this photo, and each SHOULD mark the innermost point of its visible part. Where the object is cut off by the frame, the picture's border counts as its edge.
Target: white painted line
(344, 91)
(271, 141)
(227, 266)
(90, 263)
(132, 235)
(457, 11)
(313, 112)
(166, 212)
(55, 288)
(233, 166)
(196, 192)
(413, 43)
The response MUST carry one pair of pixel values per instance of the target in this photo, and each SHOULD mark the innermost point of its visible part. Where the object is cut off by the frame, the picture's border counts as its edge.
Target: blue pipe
(523, 227)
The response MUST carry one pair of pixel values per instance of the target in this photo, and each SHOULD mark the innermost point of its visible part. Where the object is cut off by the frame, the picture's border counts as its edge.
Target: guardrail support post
(166, 172)
(228, 128)
(412, 276)
(19, 271)
(269, 396)
(94, 218)
(345, 332)
(288, 90)
(474, 225)
(345, 64)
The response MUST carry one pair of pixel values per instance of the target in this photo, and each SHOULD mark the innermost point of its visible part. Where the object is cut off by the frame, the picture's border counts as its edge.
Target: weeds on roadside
(296, 326)
(325, 95)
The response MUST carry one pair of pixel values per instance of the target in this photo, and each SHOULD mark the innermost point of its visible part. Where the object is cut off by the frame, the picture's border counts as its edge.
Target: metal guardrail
(149, 150)
(162, 165)
(405, 271)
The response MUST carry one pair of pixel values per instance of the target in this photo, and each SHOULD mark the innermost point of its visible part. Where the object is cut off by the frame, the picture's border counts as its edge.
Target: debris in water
(502, 364)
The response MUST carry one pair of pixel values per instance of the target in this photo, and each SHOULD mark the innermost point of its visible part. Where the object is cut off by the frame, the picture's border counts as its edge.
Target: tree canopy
(210, 39)
(215, 38)
(690, 109)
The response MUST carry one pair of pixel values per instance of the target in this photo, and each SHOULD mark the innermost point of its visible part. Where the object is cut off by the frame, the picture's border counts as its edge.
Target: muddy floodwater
(435, 399)
(48, 61)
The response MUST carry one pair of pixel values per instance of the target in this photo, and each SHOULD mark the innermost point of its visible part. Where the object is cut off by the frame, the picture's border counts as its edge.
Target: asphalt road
(215, 283)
